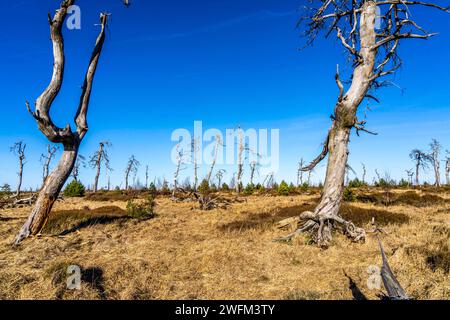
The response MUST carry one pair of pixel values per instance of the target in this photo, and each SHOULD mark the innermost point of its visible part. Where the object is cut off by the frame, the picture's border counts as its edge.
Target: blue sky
(166, 64)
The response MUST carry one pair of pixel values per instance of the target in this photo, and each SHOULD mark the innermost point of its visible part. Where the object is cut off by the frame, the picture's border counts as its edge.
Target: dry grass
(185, 253)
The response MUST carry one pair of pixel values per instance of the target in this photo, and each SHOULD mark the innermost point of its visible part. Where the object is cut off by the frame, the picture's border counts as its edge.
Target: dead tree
(393, 287)
(435, 151)
(180, 161)
(240, 163)
(219, 177)
(132, 167)
(98, 159)
(447, 168)
(146, 176)
(194, 150)
(301, 164)
(254, 168)
(18, 149)
(46, 159)
(80, 162)
(421, 160)
(410, 174)
(364, 172)
(217, 145)
(69, 139)
(373, 55)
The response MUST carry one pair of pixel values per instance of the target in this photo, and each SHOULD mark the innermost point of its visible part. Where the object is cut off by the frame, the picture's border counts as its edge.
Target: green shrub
(259, 187)
(225, 187)
(143, 210)
(283, 189)
(203, 188)
(152, 187)
(5, 190)
(74, 189)
(403, 183)
(356, 183)
(304, 187)
(349, 195)
(249, 189)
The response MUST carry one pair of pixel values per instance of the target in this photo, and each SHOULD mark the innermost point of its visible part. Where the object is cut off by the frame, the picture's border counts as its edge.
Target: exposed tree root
(321, 226)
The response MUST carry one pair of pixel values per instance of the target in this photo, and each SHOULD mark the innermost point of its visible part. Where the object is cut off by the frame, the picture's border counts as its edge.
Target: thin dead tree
(447, 168)
(301, 164)
(80, 162)
(254, 168)
(146, 176)
(218, 144)
(370, 32)
(435, 151)
(46, 159)
(410, 174)
(132, 167)
(240, 163)
(364, 172)
(421, 160)
(98, 159)
(194, 151)
(219, 177)
(18, 149)
(69, 139)
(180, 155)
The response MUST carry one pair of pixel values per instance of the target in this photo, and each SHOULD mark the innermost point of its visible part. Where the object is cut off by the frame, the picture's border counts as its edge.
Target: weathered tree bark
(326, 215)
(364, 173)
(70, 140)
(47, 159)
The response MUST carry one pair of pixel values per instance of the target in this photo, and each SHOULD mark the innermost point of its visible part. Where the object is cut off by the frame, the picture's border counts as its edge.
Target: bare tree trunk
(447, 171)
(364, 173)
(70, 140)
(326, 216)
(146, 176)
(98, 165)
(49, 194)
(300, 172)
(216, 151)
(417, 173)
(194, 150)
(240, 165)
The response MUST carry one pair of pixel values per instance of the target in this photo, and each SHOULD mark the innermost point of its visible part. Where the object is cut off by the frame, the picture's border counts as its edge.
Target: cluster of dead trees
(370, 32)
(424, 159)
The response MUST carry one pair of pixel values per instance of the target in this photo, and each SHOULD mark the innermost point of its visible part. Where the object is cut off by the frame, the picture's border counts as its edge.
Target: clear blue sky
(168, 63)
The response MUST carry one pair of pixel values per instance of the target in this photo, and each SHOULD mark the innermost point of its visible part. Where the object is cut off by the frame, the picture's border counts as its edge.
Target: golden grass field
(185, 253)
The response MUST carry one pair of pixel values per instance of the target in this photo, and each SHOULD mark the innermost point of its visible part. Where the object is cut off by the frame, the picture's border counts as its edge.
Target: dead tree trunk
(46, 161)
(253, 169)
(216, 152)
(364, 173)
(69, 139)
(326, 215)
(447, 170)
(180, 157)
(132, 166)
(374, 55)
(99, 158)
(240, 164)
(434, 157)
(194, 150)
(19, 149)
(146, 177)
(301, 164)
